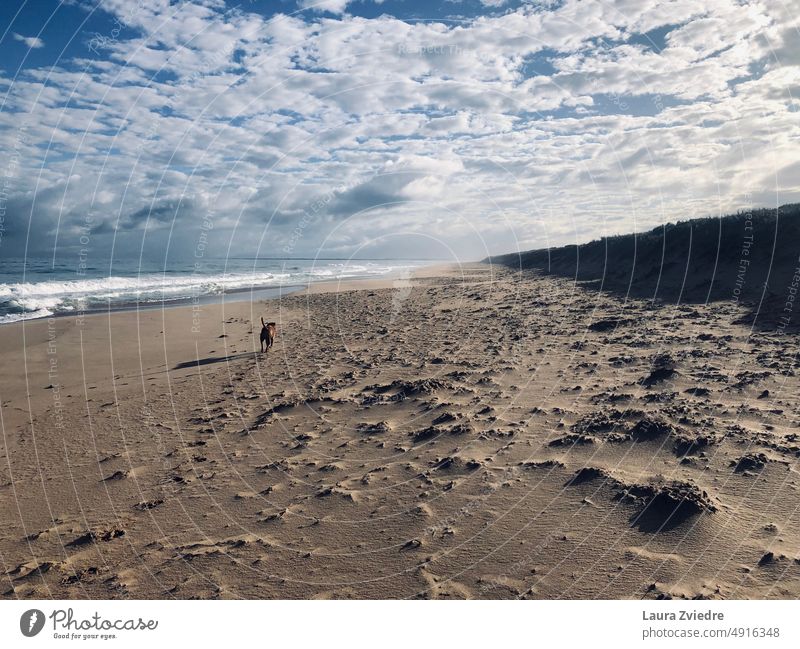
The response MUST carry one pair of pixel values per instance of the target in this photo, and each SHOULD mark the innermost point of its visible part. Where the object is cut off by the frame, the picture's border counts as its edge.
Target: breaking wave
(24, 301)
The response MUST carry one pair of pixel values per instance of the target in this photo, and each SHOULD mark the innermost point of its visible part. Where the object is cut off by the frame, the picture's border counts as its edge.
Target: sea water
(38, 288)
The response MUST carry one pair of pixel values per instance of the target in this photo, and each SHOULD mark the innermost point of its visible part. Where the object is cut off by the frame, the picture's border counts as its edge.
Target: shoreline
(249, 294)
(133, 307)
(50, 350)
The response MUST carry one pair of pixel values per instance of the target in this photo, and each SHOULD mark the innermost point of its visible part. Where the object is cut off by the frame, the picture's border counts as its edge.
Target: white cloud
(33, 42)
(361, 127)
(333, 6)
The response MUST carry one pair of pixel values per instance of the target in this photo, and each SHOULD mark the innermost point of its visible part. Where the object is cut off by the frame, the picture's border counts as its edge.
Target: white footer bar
(355, 624)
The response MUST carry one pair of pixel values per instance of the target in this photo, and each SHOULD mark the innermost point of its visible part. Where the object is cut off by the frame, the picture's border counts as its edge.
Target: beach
(465, 432)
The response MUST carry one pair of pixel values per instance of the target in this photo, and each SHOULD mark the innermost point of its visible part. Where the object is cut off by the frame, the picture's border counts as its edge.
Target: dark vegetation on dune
(750, 257)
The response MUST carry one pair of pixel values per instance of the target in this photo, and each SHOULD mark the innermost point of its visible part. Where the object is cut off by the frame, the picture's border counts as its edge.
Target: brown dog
(268, 332)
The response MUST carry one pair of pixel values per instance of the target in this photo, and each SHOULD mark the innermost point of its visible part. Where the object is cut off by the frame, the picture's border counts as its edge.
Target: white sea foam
(23, 301)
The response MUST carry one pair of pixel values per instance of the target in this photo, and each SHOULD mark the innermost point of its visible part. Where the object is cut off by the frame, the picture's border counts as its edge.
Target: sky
(401, 128)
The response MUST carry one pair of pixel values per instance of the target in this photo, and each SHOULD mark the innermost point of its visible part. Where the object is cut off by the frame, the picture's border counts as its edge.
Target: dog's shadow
(210, 360)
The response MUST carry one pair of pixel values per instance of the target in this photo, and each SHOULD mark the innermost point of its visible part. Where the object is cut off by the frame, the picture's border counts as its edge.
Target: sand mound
(663, 506)
(750, 462)
(651, 428)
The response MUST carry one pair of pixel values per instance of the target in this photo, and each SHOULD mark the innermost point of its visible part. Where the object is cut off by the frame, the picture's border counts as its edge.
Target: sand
(470, 432)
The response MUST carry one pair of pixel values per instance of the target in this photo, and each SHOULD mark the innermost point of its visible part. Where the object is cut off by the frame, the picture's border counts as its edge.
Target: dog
(268, 332)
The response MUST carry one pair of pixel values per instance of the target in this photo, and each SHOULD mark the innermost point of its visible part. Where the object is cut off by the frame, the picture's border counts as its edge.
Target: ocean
(38, 288)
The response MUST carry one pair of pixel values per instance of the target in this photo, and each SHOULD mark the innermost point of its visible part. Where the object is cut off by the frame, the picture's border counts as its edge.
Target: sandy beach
(471, 432)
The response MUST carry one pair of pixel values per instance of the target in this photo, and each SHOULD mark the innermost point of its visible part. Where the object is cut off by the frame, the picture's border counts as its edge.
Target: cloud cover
(535, 125)
(33, 42)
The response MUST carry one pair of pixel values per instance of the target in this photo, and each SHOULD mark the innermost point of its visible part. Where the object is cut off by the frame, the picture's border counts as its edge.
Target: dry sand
(471, 433)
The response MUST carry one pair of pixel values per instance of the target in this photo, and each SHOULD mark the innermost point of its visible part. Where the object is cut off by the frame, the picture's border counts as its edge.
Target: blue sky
(446, 129)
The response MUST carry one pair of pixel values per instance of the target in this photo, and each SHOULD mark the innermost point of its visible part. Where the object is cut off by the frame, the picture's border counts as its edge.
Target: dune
(752, 257)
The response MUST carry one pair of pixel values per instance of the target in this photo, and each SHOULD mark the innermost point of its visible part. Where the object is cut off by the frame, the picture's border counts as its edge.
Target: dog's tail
(262, 322)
